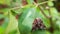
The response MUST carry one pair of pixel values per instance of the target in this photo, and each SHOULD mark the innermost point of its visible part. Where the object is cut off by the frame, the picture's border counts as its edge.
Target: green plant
(18, 16)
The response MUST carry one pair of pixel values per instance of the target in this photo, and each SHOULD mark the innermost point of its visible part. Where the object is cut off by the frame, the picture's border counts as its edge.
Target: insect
(38, 25)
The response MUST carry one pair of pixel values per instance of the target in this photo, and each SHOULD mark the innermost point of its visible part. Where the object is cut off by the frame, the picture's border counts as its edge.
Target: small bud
(47, 7)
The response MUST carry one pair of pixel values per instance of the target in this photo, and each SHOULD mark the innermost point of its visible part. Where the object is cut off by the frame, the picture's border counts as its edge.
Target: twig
(16, 7)
(34, 2)
(42, 11)
(51, 22)
(45, 2)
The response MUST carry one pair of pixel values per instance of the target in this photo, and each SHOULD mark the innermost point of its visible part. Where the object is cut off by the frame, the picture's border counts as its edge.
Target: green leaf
(13, 32)
(1, 16)
(4, 25)
(58, 24)
(14, 0)
(12, 23)
(26, 20)
(50, 3)
(1, 30)
(42, 17)
(30, 1)
(40, 32)
(5, 22)
(57, 32)
(54, 14)
(7, 2)
(15, 12)
(15, 3)
(55, 18)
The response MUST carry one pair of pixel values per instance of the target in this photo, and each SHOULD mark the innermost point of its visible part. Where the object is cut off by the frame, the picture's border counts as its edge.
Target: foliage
(17, 16)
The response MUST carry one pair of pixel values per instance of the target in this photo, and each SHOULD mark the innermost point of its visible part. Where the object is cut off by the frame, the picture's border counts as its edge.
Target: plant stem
(42, 11)
(34, 2)
(51, 22)
(50, 18)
